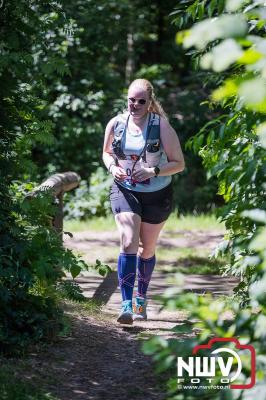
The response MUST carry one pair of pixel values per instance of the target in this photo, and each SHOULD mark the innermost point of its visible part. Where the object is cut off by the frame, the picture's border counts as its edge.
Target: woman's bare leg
(149, 234)
(128, 225)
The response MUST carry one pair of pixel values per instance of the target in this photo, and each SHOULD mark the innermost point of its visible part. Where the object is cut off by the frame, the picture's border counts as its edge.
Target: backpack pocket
(153, 145)
(153, 152)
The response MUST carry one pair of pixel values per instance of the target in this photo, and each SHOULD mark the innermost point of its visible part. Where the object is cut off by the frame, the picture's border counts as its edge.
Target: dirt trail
(102, 360)
(106, 246)
(99, 361)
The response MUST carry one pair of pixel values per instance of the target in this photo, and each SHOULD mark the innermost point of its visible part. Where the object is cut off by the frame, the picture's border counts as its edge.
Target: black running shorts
(152, 207)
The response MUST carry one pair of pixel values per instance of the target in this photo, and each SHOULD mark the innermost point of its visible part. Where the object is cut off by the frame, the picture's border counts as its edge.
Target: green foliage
(33, 259)
(15, 388)
(90, 201)
(212, 318)
(103, 269)
(96, 57)
(70, 290)
(156, 73)
(232, 147)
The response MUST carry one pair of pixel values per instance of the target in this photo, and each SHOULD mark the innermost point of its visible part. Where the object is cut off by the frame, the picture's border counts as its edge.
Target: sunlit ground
(189, 258)
(206, 222)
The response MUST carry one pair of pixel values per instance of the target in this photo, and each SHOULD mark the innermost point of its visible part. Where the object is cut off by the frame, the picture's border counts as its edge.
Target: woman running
(141, 150)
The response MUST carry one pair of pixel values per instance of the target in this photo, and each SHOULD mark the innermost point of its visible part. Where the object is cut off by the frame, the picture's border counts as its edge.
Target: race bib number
(131, 165)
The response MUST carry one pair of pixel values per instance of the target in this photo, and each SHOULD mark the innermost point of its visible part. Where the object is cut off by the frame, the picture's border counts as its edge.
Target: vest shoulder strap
(154, 126)
(120, 124)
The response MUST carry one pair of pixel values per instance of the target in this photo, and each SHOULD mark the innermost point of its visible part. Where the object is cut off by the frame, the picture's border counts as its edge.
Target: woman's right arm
(108, 155)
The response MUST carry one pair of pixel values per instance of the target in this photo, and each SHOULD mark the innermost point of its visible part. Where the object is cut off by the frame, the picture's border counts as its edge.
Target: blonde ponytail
(155, 105)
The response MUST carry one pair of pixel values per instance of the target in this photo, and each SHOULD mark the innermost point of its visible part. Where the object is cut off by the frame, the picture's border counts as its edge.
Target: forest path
(100, 359)
(105, 246)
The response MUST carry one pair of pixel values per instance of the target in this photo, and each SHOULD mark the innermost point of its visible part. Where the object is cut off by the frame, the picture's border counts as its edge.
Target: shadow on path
(98, 361)
(103, 289)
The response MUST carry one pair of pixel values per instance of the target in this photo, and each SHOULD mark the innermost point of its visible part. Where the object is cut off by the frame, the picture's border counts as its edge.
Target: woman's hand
(118, 173)
(143, 173)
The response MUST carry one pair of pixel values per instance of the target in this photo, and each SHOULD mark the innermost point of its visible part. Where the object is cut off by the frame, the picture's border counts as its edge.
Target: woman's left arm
(172, 148)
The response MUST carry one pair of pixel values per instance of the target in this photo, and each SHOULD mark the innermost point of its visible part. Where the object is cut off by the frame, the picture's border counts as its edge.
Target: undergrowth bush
(33, 261)
(229, 39)
(90, 200)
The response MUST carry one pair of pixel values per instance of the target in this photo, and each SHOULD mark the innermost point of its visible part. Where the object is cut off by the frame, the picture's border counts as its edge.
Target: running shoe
(126, 314)
(140, 309)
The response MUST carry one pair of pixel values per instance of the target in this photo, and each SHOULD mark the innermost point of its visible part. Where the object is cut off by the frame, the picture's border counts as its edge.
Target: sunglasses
(140, 101)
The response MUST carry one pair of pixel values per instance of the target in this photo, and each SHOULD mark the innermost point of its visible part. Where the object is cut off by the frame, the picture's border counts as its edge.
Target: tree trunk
(130, 57)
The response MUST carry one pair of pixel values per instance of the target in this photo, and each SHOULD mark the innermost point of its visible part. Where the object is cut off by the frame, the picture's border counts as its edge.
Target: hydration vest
(153, 141)
(152, 154)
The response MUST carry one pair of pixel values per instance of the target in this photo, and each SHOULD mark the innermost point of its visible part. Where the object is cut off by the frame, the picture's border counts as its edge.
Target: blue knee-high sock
(126, 270)
(145, 269)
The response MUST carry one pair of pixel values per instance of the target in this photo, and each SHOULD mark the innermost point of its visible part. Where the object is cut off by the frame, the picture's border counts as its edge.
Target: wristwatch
(156, 171)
